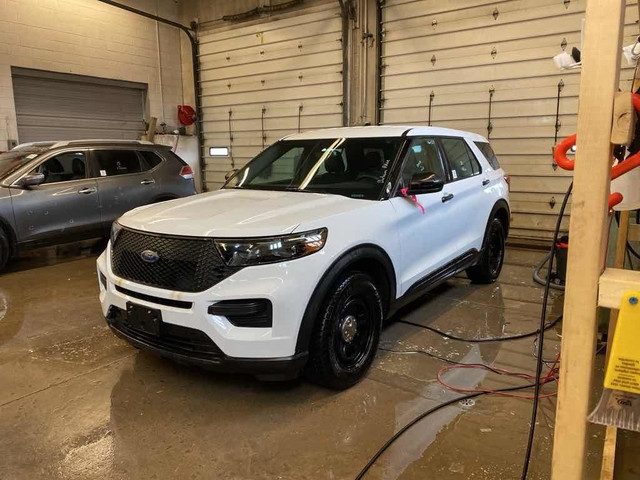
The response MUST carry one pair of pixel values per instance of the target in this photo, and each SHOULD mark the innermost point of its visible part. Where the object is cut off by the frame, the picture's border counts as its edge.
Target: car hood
(238, 213)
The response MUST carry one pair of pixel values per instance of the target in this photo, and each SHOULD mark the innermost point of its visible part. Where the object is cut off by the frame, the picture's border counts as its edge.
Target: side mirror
(425, 183)
(31, 180)
(231, 173)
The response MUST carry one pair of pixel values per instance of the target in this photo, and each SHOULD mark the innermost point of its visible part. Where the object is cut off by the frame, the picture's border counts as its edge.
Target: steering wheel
(367, 177)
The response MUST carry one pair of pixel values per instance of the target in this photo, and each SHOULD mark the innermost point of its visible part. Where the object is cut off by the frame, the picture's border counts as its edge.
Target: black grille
(186, 264)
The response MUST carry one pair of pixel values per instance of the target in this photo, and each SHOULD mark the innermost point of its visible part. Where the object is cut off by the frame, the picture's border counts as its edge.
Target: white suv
(296, 262)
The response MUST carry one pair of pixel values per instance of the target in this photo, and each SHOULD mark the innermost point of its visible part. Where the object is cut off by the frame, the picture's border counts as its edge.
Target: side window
(116, 162)
(63, 167)
(423, 156)
(462, 161)
(151, 159)
(488, 153)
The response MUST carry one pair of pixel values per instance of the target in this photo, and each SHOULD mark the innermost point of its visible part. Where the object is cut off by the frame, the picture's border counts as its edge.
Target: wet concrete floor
(78, 403)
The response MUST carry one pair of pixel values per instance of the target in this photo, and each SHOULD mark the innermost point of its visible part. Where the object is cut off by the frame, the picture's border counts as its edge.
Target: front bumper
(260, 350)
(214, 359)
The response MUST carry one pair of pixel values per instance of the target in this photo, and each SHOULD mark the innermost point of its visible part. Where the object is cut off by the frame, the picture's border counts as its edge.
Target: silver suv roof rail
(34, 144)
(101, 140)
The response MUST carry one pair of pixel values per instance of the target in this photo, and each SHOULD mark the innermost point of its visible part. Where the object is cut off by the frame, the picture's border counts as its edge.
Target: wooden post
(587, 227)
(151, 131)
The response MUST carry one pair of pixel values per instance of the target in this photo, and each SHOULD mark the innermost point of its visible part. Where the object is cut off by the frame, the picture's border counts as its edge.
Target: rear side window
(151, 158)
(488, 153)
(461, 160)
(117, 162)
(172, 155)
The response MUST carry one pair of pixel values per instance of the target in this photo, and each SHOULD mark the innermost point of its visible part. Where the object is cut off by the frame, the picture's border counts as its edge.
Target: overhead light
(218, 151)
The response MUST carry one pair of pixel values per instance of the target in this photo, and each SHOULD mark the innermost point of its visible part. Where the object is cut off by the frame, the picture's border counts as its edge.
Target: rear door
(63, 208)
(125, 181)
(467, 215)
(165, 171)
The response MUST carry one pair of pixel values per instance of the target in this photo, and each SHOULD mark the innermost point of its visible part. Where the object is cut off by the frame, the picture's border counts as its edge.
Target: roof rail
(34, 144)
(100, 140)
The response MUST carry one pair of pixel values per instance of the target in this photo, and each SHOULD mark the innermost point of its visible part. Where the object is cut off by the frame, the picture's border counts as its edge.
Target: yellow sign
(623, 370)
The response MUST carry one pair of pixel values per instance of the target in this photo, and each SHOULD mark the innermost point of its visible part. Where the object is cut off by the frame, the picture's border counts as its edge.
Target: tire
(345, 338)
(489, 266)
(162, 199)
(5, 249)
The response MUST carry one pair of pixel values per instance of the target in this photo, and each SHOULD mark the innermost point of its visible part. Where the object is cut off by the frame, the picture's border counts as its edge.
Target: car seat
(432, 159)
(78, 168)
(53, 171)
(371, 168)
(335, 170)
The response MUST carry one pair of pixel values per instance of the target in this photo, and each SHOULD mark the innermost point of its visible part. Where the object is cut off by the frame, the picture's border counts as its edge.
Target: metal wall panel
(461, 50)
(53, 106)
(263, 80)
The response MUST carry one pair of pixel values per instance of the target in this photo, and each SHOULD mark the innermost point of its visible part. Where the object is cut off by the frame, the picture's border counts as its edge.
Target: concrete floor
(76, 402)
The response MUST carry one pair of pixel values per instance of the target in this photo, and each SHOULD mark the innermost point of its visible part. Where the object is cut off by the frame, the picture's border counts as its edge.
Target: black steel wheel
(5, 249)
(346, 335)
(489, 266)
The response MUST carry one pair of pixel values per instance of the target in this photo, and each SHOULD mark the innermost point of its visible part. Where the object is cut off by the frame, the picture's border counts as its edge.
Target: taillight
(507, 179)
(186, 172)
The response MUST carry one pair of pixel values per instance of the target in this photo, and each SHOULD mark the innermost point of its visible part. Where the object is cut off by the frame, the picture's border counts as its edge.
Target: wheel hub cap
(349, 328)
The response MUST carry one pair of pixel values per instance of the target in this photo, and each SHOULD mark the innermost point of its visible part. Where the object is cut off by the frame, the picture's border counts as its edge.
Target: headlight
(115, 231)
(256, 251)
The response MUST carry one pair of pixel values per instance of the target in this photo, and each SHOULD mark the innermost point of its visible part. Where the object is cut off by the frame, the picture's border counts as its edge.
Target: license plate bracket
(144, 319)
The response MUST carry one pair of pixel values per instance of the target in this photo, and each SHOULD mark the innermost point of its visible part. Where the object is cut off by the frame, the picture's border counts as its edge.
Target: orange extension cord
(551, 376)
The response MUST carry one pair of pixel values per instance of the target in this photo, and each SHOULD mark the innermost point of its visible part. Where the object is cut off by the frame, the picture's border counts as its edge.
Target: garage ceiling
(262, 81)
(461, 51)
(54, 106)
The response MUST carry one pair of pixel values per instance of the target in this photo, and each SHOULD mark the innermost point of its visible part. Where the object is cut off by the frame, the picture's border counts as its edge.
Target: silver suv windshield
(14, 159)
(352, 167)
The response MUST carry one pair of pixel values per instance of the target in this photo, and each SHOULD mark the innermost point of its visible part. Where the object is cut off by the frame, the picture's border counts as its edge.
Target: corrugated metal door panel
(535, 207)
(312, 11)
(462, 49)
(52, 106)
(403, 8)
(322, 43)
(301, 28)
(266, 79)
(465, 21)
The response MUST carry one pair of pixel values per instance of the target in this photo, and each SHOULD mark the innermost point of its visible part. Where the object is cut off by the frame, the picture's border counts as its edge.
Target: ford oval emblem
(149, 256)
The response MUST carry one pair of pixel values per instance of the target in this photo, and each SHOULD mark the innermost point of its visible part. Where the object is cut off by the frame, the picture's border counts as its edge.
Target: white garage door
(460, 54)
(264, 80)
(53, 106)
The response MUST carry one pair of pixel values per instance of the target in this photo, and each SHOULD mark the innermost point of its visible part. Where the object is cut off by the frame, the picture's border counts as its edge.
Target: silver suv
(56, 192)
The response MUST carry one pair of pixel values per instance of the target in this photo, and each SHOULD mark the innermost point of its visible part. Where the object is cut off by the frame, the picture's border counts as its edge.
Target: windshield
(353, 167)
(14, 159)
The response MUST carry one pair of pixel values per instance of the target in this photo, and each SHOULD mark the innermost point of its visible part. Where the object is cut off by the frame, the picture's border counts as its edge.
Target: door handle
(87, 190)
(147, 182)
(486, 182)
(446, 197)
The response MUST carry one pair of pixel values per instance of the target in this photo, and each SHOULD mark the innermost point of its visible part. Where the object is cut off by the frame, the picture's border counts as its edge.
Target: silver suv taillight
(186, 172)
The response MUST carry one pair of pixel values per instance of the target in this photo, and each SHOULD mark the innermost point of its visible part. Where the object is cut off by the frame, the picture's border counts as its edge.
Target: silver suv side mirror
(231, 173)
(32, 180)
